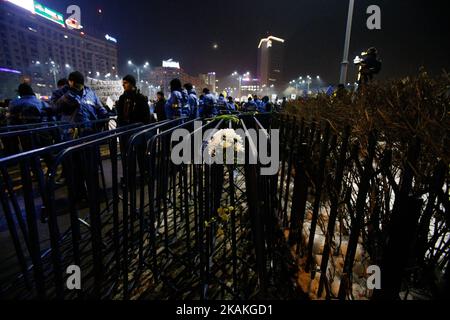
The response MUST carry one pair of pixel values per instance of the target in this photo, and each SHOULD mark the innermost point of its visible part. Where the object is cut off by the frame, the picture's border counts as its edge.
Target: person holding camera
(369, 65)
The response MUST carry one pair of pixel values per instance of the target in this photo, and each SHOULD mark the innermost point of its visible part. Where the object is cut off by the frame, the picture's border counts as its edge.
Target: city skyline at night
(412, 34)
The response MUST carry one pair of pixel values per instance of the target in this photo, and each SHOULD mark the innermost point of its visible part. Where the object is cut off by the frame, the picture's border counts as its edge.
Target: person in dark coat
(160, 106)
(250, 106)
(132, 106)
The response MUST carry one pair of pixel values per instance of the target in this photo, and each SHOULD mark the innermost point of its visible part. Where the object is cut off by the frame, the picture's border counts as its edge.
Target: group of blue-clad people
(74, 102)
(183, 101)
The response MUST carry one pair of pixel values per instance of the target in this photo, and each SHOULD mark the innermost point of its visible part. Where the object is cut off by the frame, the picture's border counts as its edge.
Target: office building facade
(37, 42)
(161, 77)
(270, 61)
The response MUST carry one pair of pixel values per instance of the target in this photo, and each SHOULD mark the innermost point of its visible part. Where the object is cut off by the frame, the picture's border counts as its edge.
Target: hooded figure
(209, 104)
(80, 103)
(193, 101)
(177, 104)
(221, 103)
(250, 106)
(26, 109)
(231, 106)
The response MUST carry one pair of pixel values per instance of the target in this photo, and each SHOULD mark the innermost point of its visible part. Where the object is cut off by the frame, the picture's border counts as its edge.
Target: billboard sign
(49, 14)
(26, 4)
(171, 64)
(109, 38)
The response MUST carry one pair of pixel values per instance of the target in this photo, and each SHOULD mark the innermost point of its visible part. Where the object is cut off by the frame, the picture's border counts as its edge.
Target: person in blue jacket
(201, 104)
(177, 105)
(209, 104)
(222, 104)
(231, 106)
(27, 108)
(193, 101)
(258, 102)
(79, 103)
(63, 87)
(267, 105)
(250, 106)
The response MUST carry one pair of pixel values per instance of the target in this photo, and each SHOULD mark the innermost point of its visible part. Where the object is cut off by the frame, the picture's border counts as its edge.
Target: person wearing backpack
(177, 105)
(26, 109)
(132, 106)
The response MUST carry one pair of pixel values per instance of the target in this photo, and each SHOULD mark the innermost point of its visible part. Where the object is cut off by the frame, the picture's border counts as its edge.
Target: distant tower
(270, 61)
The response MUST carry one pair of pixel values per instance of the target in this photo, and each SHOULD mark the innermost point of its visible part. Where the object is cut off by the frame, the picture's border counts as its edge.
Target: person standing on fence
(160, 105)
(80, 103)
(132, 106)
(177, 106)
(192, 100)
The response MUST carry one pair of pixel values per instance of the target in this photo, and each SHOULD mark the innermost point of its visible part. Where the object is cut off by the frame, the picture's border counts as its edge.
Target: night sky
(414, 33)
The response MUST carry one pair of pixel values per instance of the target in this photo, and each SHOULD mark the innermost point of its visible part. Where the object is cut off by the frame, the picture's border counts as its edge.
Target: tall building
(270, 61)
(37, 42)
(210, 80)
(161, 77)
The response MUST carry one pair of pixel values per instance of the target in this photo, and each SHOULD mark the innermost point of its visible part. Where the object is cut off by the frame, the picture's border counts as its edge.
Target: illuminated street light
(139, 70)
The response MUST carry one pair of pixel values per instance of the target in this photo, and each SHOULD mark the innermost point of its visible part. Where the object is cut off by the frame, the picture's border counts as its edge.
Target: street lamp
(344, 65)
(54, 70)
(239, 78)
(139, 70)
(308, 82)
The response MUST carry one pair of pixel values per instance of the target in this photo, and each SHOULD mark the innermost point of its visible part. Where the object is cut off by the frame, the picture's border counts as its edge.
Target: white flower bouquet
(224, 143)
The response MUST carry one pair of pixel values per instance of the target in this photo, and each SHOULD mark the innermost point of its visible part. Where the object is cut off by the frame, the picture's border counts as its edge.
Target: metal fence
(143, 227)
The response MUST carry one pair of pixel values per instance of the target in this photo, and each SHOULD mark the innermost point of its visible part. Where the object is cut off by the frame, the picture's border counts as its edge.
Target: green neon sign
(49, 14)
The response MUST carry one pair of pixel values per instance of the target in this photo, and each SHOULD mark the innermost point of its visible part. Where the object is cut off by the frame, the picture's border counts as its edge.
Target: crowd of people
(74, 102)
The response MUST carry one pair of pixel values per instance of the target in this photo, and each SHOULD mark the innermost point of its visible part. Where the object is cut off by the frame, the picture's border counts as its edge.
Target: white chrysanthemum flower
(225, 139)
